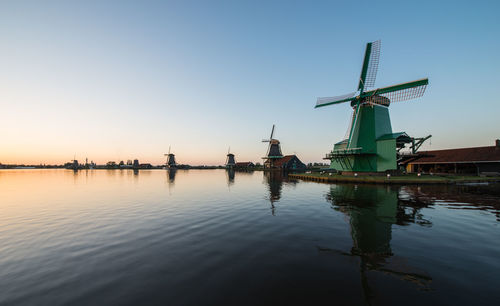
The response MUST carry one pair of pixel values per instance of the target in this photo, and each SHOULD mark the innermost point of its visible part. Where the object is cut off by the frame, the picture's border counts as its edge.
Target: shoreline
(404, 180)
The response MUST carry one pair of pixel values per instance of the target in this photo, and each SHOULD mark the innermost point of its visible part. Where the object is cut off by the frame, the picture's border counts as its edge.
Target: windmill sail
(335, 100)
(397, 93)
(349, 128)
(370, 65)
(371, 73)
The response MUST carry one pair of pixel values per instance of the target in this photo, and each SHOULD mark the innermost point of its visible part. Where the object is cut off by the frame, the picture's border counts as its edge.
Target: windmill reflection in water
(274, 179)
(372, 211)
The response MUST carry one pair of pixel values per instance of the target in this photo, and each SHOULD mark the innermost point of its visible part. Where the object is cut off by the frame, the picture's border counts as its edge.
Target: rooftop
(462, 155)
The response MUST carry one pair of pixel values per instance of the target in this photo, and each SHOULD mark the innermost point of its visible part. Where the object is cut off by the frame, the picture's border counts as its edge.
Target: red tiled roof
(280, 161)
(477, 154)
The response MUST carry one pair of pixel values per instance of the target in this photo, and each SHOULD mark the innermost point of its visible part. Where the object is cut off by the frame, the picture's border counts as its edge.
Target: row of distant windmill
(369, 144)
(273, 153)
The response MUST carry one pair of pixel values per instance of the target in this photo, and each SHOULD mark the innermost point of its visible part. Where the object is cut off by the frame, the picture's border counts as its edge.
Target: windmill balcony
(344, 152)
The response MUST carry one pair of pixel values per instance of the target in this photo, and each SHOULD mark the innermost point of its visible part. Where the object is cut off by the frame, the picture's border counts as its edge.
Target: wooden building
(475, 160)
(287, 162)
(244, 165)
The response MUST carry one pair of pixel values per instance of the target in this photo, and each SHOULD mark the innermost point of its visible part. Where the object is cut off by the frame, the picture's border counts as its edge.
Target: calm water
(212, 238)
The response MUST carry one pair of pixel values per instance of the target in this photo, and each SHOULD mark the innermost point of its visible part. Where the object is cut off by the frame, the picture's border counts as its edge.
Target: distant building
(136, 163)
(288, 162)
(244, 165)
(145, 166)
(111, 165)
(72, 165)
(475, 160)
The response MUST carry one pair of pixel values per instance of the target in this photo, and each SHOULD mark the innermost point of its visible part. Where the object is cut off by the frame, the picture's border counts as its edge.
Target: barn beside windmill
(288, 162)
(475, 160)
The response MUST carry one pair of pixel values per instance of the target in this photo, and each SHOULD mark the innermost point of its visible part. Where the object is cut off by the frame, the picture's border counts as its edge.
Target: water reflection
(274, 181)
(67, 231)
(230, 176)
(372, 211)
(171, 178)
(484, 197)
(171, 175)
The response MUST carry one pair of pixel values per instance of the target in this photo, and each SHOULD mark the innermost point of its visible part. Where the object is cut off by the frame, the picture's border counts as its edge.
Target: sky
(118, 80)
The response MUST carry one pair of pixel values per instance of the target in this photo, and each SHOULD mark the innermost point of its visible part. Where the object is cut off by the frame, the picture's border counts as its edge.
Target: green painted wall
(386, 155)
(341, 166)
(372, 122)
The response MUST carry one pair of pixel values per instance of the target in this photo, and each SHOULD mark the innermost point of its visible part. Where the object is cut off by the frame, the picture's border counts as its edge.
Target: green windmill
(369, 144)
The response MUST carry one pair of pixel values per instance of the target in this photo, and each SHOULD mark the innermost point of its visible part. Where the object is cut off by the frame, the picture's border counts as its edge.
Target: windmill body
(230, 161)
(170, 159)
(273, 151)
(370, 144)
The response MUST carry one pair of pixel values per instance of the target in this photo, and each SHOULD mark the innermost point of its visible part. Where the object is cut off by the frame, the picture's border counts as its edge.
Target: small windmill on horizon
(273, 150)
(170, 159)
(230, 162)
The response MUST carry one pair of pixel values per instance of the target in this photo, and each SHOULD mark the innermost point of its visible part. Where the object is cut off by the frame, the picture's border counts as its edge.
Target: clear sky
(117, 80)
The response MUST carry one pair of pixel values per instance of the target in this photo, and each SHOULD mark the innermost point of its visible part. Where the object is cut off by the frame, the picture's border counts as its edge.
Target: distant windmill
(170, 159)
(273, 150)
(370, 145)
(230, 162)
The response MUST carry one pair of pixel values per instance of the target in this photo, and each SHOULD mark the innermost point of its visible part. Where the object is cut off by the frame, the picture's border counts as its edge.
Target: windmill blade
(272, 132)
(351, 122)
(370, 65)
(397, 93)
(335, 100)
(266, 140)
(353, 125)
(371, 73)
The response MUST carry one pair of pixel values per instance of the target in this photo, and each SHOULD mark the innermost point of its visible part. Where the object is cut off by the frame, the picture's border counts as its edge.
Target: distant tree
(111, 165)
